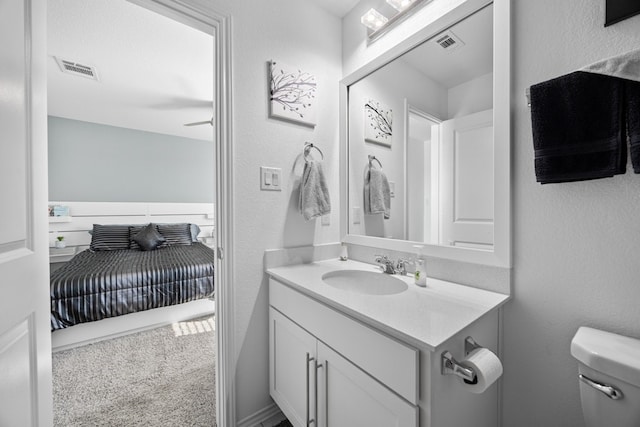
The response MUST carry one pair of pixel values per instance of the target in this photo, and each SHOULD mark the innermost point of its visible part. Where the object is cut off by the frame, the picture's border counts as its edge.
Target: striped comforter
(97, 285)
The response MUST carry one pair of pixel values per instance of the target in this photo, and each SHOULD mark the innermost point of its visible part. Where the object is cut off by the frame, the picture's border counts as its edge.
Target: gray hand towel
(314, 194)
(377, 195)
(625, 66)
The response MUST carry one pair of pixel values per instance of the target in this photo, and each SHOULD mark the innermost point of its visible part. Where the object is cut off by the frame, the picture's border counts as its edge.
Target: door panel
(13, 104)
(25, 338)
(467, 198)
(349, 397)
(18, 381)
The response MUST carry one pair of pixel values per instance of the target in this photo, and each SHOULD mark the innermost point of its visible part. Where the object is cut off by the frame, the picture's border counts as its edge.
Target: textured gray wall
(576, 245)
(90, 162)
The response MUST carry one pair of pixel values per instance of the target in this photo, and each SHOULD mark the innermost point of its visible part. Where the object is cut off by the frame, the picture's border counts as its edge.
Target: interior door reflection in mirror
(421, 142)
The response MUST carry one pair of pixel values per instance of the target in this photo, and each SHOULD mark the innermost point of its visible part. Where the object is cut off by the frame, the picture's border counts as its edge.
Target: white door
(349, 397)
(25, 338)
(466, 179)
(292, 367)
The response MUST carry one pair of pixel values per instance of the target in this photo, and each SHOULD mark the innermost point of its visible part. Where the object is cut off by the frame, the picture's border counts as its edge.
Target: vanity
(341, 355)
(425, 129)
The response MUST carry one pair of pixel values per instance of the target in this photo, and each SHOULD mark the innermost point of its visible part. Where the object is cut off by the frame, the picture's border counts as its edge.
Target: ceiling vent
(449, 41)
(77, 69)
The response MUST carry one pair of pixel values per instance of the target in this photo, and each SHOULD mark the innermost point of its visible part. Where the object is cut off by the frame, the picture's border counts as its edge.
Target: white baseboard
(87, 333)
(266, 417)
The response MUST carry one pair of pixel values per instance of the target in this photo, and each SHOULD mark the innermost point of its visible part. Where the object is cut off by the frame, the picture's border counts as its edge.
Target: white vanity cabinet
(342, 359)
(291, 353)
(350, 397)
(354, 377)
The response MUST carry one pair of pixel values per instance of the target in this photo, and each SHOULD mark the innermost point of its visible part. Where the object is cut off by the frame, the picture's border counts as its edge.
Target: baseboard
(87, 333)
(266, 417)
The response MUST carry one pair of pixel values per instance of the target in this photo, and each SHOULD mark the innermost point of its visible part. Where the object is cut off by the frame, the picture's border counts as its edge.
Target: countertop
(421, 316)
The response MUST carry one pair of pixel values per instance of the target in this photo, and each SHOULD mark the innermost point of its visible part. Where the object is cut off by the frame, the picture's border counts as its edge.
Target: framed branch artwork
(378, 123)
(619, 10)
(292, 94)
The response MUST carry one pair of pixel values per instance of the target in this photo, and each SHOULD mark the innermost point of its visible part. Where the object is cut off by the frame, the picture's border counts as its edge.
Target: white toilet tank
(610, 383)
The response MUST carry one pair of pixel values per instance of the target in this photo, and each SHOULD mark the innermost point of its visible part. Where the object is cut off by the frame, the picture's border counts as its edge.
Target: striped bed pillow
(109, 237)
(176, 234)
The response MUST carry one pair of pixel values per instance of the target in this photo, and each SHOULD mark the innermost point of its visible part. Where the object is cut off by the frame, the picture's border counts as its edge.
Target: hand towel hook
(372, 158)
(308, 146)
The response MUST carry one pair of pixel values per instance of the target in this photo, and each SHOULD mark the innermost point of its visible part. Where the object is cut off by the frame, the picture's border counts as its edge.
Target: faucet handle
(401, 265)
(381, 258)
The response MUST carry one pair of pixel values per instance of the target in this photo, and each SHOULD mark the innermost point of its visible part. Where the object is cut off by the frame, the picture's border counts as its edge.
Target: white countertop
(421, 316)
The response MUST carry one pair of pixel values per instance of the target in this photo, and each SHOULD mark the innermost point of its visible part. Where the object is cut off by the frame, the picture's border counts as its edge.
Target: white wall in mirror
(462, 94)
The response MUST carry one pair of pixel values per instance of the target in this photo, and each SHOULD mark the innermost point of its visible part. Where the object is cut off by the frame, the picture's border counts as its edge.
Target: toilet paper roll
(487, 367)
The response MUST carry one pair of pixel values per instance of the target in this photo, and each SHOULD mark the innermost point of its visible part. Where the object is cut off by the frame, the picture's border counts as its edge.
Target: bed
(121, 274)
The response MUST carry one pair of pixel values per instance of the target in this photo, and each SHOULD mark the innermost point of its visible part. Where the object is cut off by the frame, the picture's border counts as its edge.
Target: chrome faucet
(389, 267)
(386, 264)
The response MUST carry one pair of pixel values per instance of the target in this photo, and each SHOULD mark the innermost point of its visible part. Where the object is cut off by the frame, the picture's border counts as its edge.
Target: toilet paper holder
(450, 366)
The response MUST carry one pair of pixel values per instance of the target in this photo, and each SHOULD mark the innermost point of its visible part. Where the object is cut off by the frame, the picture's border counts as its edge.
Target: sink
(364, 282)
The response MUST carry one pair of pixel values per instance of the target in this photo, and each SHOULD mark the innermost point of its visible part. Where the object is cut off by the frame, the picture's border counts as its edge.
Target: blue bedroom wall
(90, 162)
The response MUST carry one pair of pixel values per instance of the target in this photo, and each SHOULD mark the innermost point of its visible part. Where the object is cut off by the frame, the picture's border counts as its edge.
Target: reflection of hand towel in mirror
(314, 194)
(377, 195)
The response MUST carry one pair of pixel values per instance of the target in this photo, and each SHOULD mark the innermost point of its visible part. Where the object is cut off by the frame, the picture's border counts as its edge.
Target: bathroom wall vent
(449, 41)
(77, 69)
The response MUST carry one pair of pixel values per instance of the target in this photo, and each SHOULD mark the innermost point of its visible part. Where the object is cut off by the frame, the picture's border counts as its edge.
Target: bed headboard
(82, 215)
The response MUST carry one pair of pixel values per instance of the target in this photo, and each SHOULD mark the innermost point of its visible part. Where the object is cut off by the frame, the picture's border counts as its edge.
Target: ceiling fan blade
(208, 122)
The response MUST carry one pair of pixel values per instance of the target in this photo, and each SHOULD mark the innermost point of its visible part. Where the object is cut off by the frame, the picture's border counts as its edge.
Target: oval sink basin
(364, 282)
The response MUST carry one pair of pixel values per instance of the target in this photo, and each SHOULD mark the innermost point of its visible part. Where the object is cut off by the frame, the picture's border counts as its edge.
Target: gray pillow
(193, 228)
(176, 234)
(148, 238)
(109, 237)
(133, 230)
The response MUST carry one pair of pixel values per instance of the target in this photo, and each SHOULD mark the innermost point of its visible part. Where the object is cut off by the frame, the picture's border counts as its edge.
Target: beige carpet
(162, 377)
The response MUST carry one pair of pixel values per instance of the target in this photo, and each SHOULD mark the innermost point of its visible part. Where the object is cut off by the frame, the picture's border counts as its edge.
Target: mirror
(426, 165)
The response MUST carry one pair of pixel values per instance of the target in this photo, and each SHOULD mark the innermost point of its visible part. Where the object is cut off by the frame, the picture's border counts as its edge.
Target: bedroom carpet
(162, 377)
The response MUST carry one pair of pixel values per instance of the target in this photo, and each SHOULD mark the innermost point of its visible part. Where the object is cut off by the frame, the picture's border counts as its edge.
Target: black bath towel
(578, 127)
(632, 95)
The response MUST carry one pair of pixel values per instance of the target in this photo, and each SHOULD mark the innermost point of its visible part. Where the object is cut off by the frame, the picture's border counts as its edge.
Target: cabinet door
(292, 353)
(349, 397)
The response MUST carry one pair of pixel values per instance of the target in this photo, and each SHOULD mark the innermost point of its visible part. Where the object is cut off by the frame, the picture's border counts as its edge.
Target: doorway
(217, 26)
(422, 157)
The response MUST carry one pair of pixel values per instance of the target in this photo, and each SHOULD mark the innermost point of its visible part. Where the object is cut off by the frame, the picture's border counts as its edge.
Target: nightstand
(61, 254)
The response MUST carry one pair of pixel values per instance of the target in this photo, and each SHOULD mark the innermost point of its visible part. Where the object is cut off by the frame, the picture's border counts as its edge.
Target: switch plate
(355, 215)
(392, 189)
(270, 179)
(326, 219)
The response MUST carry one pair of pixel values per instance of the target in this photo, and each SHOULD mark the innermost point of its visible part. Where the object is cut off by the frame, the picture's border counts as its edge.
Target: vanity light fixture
(400, 5)
(373, 19)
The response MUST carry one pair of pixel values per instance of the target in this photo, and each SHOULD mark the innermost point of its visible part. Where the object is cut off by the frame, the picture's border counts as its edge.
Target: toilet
(609, 377)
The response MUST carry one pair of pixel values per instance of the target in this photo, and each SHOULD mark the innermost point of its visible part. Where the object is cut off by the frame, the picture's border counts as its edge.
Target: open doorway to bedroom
(132, 295)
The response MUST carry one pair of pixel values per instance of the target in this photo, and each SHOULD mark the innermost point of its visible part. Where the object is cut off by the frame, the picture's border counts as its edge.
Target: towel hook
(308, 146)
(372, 158)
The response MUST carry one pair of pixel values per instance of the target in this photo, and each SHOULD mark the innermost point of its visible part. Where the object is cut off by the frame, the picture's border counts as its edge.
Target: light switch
(392, 189)
(270, 178)
(326, 219)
